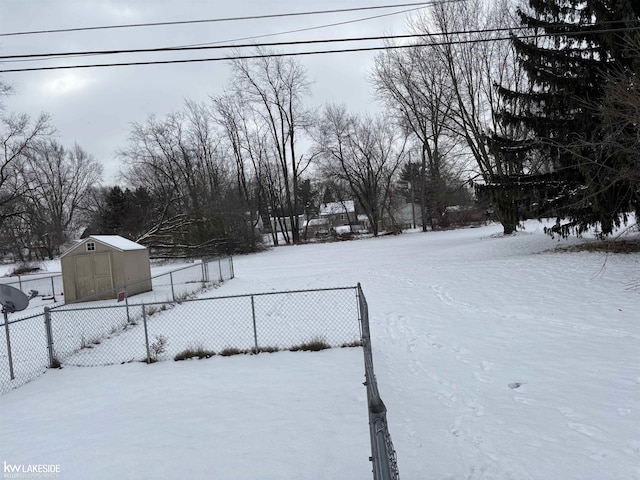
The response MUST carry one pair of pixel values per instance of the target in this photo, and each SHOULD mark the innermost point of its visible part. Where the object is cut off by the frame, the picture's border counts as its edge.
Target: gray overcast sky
(94, 107)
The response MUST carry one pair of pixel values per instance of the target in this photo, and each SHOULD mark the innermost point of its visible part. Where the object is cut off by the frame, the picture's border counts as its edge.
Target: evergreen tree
(125, 212)
(574, 49)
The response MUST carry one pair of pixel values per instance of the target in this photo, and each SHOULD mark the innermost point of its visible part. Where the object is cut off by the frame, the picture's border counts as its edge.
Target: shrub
(355, 343)
(89, 342)
(227, 352)
(157, 348)
(268, 349)
(197, 351)
(316, 344)
(181, 297)
(25, 267)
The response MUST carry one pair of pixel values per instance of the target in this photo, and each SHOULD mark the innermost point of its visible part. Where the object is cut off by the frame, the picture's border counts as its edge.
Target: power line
(42, 56)
(218, 20)
(51, 56)
(209, 47)
(321, 52)
(317, 27)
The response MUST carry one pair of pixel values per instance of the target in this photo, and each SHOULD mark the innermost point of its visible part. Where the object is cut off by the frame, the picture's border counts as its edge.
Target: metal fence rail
(383, 455)
(45, 285)
(304, 319)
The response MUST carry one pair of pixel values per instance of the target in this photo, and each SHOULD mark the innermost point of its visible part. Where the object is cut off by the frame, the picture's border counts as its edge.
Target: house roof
(316, 222)
(114, 241)
(336, 208)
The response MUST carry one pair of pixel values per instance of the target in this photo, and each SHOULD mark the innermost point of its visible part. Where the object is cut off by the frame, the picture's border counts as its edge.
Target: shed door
(102, 271)
(93, 274)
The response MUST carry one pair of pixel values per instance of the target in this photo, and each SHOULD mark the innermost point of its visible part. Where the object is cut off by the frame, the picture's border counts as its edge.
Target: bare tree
(18, 137)
(416, 88)
(363, 152)
(5, 90)
(275, 88)
(245, 145)
(474, 69)
(179, 161)
(60, 181)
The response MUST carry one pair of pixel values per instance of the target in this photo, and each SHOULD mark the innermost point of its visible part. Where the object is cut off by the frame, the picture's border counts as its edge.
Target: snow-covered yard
(497, 358)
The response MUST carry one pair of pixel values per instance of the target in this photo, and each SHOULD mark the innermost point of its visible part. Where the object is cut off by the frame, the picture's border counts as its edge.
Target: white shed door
(93, 274)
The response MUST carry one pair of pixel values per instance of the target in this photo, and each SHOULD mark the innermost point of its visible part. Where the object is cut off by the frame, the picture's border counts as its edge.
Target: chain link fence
(48, 286)
(171, 286)
(383, 454)
(23, 351)
(182, 329)
(27, 349)
(244, 324)
(174, 284)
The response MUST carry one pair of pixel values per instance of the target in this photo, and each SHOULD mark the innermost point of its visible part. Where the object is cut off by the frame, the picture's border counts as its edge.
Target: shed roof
(114, 241)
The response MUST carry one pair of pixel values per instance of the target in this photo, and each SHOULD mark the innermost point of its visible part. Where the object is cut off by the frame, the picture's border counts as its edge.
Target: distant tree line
(543, 124)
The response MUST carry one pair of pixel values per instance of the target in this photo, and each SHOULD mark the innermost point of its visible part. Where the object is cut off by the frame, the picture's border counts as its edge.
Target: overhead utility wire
(43, 56)
(317, 27)
(53, 56)
(218, 20)
(295, 54)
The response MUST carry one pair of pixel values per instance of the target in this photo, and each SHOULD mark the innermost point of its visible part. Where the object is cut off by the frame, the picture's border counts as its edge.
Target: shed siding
(105, 269)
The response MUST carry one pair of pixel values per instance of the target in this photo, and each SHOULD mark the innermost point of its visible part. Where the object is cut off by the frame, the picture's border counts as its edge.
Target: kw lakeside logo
(36, 471)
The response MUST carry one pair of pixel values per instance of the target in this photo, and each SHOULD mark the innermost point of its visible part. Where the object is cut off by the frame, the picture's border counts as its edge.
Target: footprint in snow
(525, 401)
(588, 430)
(482, 378)
(568, 412)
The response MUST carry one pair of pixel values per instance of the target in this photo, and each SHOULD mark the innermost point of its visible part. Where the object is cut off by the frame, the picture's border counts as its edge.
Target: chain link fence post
(220, 269)
(255, 331)
(126, 302)
(146, 333)
(47, 328)
(9, 356)
(173, 293)
(53, 290)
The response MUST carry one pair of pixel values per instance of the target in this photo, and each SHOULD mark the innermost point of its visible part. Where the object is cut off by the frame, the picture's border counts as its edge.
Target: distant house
(277, 224)
(405, 216)
(315, 227)
(363, 221)
(458, 215)
(99, 266)
(338, 214)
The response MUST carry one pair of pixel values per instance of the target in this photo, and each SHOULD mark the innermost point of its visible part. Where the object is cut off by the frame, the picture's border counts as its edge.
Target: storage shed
(100, 266)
